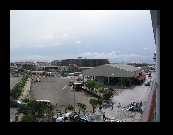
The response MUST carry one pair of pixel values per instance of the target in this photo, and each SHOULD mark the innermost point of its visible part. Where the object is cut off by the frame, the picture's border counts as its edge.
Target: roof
(125, 67)
(141, 77)
(113, 70)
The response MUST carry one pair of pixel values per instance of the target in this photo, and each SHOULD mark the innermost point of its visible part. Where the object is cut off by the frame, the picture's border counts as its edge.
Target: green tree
(82, 107)
(27, 118)
(100, 102)
(107, 95)
(68, 107)
(91, 85)
(94, 104)
(36, 109)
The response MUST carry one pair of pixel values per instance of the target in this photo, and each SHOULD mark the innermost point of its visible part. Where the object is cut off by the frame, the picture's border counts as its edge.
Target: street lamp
(74, 90)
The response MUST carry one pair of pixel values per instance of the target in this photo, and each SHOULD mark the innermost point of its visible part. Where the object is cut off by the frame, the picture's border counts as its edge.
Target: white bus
(70, 74)
(45, 101)
(77, 73)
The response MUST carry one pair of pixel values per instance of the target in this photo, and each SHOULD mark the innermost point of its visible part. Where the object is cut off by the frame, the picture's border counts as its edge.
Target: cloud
(57, 44)
(112, 57)
(78, 42)
(49, 37)
(39, 46)
(35, 58)
(146, 48)
(65, 35)
(15, 45)
(113, 52)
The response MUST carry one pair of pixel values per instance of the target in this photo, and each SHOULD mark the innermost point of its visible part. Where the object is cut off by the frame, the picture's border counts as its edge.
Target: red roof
(141, 77)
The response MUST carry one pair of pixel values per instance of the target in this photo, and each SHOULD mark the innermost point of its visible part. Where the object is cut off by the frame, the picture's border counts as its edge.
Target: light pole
(74, 90)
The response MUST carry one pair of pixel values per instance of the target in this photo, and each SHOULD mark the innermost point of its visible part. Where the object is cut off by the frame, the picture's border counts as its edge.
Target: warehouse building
(115, 74)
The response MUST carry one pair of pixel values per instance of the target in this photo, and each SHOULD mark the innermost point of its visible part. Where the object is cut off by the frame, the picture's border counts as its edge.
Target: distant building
(84, 62)
(42, 63)
(55, 62)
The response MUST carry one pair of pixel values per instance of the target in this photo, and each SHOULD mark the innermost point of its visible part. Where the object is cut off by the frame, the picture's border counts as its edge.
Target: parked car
(147, 84)
(80, 118)
(16, 103)
(79, 79)
(15, 75)
(70, 83)
(70, 117)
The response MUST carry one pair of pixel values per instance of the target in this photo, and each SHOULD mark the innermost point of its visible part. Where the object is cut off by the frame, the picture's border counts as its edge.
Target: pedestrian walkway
(26, 89)
(121, 102)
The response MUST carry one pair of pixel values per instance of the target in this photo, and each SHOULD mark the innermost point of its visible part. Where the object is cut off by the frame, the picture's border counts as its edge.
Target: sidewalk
(26, 89)
(119, 112)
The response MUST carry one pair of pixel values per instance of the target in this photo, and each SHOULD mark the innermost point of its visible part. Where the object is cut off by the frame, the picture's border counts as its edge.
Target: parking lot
(57, 89)
(14, 80)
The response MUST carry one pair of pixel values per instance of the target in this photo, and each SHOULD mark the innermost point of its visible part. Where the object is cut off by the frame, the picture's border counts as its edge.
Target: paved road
(14, 80)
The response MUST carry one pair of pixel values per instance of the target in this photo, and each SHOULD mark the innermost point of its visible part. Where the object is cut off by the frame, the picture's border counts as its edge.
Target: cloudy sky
(47, 35)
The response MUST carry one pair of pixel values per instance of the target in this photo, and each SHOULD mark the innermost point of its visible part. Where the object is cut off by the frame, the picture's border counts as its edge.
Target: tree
(36, 109)
(68, 107)
(94, 104)
(107, 95)
(92, 84)
(82, 107)
(100, 102)
(27, 118)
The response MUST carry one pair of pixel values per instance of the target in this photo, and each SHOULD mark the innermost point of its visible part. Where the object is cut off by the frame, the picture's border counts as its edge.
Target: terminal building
(115, 74)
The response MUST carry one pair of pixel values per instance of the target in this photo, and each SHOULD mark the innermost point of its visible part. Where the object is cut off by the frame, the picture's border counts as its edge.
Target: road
(14, 80)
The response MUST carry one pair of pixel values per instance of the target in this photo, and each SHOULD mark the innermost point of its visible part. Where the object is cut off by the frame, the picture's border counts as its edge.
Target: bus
(77, 73)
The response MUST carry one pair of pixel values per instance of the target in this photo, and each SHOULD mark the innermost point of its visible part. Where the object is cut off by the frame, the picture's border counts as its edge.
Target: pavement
(124, 98)
(24, 95)
(14, 80)
(26, 89)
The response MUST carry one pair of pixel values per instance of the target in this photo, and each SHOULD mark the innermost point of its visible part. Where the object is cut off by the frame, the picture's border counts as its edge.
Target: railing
(148, 113)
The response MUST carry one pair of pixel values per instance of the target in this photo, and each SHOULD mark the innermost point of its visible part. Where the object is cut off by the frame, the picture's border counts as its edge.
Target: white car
(64, 117)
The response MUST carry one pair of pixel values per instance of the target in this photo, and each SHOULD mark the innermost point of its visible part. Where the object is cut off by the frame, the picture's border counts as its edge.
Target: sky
(117, 35)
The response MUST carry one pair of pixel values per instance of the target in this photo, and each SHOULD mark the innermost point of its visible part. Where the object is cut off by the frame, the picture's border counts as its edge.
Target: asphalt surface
(14, 80)
(125, 97)
(57, 89)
